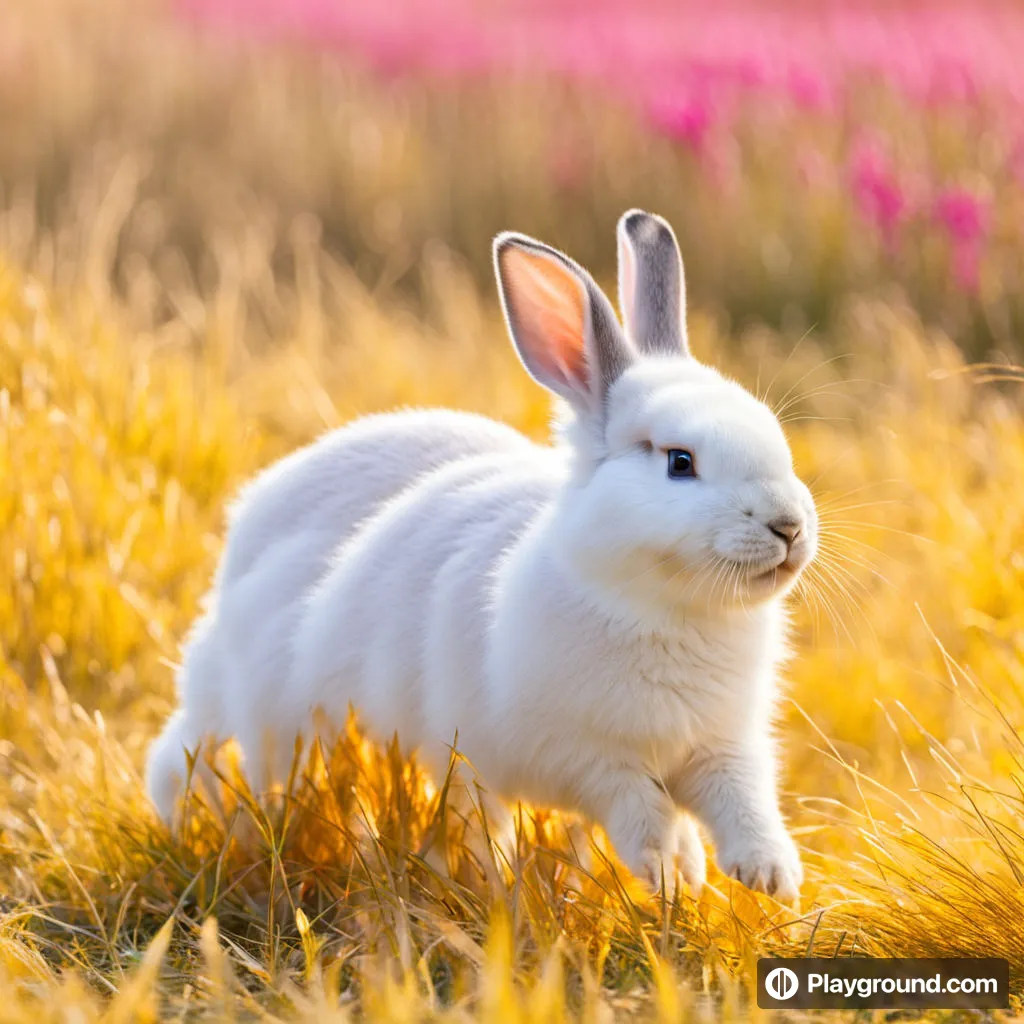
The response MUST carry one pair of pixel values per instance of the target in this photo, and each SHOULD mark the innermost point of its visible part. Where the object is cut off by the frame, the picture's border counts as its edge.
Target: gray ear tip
(643, 228)
(631, 221)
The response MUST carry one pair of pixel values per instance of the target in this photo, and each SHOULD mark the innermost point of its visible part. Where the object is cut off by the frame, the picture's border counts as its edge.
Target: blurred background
(228, 225)
(804, 151)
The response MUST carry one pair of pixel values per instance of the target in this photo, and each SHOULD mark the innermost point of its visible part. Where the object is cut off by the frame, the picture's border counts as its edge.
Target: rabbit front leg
(644, 826)
(731, 789)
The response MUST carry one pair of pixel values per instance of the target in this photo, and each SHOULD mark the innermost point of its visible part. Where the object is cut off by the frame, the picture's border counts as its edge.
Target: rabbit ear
(563, 327)
(652, 291)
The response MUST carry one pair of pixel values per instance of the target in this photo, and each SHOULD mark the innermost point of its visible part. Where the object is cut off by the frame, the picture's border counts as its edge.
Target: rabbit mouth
(783, 570)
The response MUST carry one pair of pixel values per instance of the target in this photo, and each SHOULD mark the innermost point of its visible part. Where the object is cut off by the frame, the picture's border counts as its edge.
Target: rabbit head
(682, 493)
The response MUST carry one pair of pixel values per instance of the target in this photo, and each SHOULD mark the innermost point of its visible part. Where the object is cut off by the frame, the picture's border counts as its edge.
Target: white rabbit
(600, 623)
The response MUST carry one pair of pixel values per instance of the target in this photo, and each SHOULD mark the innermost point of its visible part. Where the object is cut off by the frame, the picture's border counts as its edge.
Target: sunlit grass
(120, 449)
(211, 253)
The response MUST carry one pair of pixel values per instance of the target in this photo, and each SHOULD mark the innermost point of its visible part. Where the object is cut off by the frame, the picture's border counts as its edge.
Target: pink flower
(808, 90)
(688, 120)
(965, 218)
(963, 214)
(877, 190)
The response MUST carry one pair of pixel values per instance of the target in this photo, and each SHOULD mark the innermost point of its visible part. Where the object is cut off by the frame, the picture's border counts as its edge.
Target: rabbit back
(283, 531)
(337, 481)
(367, 636)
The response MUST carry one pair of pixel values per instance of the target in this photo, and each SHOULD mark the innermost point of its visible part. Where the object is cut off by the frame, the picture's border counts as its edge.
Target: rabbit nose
(786, 528)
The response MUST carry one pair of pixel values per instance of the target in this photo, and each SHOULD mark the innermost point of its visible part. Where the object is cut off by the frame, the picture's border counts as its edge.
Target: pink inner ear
(547, 304)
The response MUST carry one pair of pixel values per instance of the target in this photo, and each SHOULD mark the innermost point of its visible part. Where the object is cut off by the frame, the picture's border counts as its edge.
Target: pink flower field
(901, 120)
(810, 52)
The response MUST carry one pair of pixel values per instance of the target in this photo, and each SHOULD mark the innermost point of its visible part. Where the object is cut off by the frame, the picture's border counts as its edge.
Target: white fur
(557, 608)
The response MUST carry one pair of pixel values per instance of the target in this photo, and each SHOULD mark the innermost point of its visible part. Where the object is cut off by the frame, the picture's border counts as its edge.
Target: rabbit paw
(682, 855)
(770, 865)
(657, 872)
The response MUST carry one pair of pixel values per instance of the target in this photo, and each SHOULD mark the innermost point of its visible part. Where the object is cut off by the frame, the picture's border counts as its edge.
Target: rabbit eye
(680, 464)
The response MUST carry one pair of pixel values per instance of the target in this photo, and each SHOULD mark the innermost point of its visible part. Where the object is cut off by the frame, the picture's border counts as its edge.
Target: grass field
(210, 252)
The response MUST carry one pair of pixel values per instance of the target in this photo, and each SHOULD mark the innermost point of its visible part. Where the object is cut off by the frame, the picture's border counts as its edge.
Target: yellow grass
(120, 450)
(138, 392)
